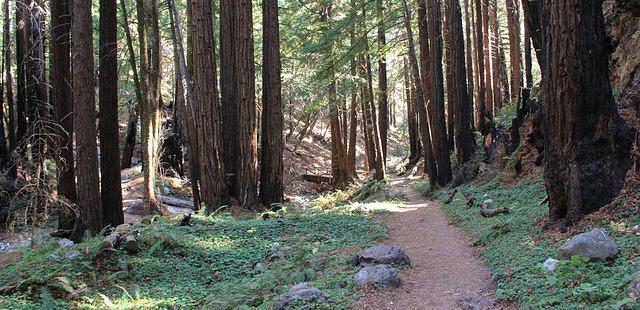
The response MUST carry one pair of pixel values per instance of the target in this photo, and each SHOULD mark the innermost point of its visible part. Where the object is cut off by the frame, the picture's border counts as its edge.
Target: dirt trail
(445, 272)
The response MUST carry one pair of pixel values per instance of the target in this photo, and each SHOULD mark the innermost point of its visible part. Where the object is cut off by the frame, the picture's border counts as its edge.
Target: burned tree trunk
(458, 95)
(587, 143)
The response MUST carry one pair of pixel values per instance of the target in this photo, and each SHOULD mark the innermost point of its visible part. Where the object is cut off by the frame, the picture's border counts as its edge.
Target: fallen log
(176, 202)
(110, 242)
(491, 213)
(317, 178)
(451, 196)
(131, 244)
(486, 211)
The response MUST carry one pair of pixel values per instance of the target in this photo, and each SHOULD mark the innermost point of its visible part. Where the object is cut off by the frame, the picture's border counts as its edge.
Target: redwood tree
(515, 54)
(271, 164)
(213, 187)
(246, 167)
(383, 100)
(84, 116)
(436, 105)
(458, 95)
(587, 143)
(109, 124)
(63, 104)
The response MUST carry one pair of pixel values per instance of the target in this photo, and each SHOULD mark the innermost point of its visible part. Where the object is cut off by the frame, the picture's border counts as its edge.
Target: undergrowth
(515, 246)
(218, 263)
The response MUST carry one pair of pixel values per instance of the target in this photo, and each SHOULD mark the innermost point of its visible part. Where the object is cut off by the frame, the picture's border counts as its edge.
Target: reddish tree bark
(62, 103)
(515, 54)
(587, 143)
(271, 164)
(205, 93)
(456, 71)
(85, 116)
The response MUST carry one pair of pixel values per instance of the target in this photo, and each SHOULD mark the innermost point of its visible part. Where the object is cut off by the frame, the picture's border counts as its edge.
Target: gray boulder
(300, 295)
(634, 288)
(596, 245)
(378, 275)
(382, 254)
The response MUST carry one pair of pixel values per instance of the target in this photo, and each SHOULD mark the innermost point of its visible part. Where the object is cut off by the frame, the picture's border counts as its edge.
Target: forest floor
(445, 272)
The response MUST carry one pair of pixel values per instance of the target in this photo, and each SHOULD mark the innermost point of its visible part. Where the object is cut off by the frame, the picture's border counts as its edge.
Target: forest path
(445, 273)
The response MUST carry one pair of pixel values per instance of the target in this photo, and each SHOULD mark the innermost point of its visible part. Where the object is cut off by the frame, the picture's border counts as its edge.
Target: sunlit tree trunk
(421, 99)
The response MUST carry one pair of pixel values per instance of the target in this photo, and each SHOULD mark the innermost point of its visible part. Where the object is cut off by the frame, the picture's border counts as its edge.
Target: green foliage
(515, 247)
(211, 265)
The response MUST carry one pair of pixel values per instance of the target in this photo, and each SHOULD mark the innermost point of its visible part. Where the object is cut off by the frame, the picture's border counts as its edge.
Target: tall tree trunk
(11, 103)
(63, 105)
(353, 106)
(150, 67)
(383, 100)
(458, 95)
(587, 145)
(487, 58)
(246, 170)
(213, 188)
(533, 19)
(436, 106)
(375, 132)
(494, 35)
(227, 90)
(480, 65)
(109, 124)
(515, 54)
(415, 147)
(421, 99)
(528, 63)
(469, 57)
(271, 164)
(21, 99)
(134, 113)
(84, 116)
(339, 170)
(187, 107)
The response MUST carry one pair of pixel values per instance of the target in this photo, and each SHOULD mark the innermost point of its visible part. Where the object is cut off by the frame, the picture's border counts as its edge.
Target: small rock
(71, 255)
(384, 254)
(382, 275)
(354, 260)
(634, 288)
(275, 253)
(300, 294)
(65, 243)
(259, 266)
(551, 264)
(596, 245)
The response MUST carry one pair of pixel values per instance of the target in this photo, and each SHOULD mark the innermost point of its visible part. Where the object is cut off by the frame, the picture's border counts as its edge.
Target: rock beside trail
(378, 275)
(300, 294)
(596, 245)
(381, 254)
(634, 288)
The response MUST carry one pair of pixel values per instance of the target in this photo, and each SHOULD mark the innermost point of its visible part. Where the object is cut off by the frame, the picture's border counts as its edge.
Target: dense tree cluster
(186, 71)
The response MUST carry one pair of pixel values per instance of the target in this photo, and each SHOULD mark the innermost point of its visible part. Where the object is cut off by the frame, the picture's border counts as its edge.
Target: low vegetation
(217, 263)
(515, 246)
